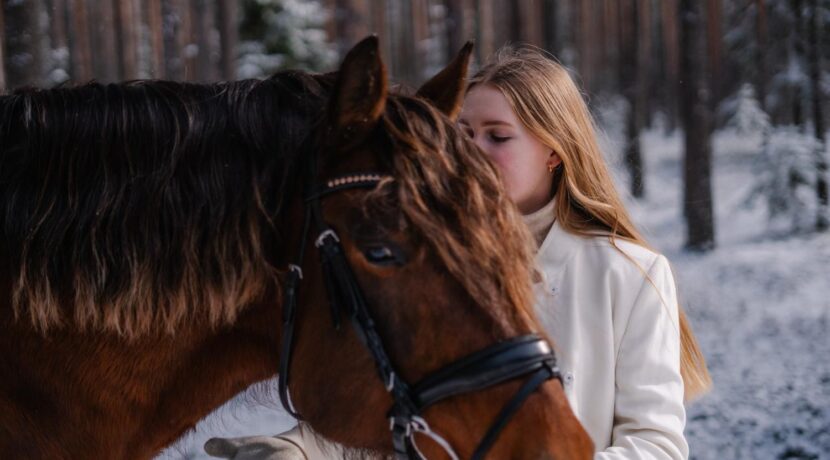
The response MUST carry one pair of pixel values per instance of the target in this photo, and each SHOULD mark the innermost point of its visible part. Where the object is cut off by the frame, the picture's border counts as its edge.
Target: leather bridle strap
(491, 366)
(289, 312)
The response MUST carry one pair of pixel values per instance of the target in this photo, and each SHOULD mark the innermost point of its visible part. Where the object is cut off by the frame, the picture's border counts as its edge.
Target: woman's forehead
(485, 105)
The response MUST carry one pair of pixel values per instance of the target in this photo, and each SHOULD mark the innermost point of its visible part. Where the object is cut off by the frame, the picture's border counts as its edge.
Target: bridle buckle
(416, 424)
(327, 232)
(296, 269)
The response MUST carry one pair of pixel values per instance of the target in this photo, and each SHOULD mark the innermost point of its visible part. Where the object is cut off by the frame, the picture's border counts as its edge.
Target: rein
(528, 355)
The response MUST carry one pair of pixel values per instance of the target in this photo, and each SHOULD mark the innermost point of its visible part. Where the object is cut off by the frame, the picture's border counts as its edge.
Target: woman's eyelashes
(496, 138)
(499, 139)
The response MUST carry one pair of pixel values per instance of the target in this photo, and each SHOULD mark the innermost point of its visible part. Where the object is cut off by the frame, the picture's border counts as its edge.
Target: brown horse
(147, 228)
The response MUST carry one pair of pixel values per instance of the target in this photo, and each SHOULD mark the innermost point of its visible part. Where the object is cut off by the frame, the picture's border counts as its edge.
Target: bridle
(528, 355)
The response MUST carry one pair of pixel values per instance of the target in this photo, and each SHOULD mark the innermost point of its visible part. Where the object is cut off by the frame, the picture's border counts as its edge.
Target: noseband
(528, 355)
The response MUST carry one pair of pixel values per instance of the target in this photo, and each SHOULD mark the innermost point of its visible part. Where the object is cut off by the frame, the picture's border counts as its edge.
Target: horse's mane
(143, 204)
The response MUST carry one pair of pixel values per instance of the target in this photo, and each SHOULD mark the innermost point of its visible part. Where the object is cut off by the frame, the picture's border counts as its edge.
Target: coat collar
(558, 248)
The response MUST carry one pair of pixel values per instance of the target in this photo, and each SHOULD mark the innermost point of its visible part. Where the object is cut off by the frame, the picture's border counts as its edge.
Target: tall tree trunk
(644, 60)
(420, 33)
(175, 38)
(57, 24)
(405, 58)
(814, 31)
(513, 20)
(379, 24)
(672, 61)
(2, 51)
(59, 41)
(25, 44)
(585, 44)
(185, 42)
(714, 45)
(502, 22)
(129, 37)
(460, 24)
(351, 18)
(761, 52)
(695, 113)
(485, 35)
(798, 51)
(528, 14)
(608, 51)
(80, 51)
(630, 74)
(155, 26)
(229, 36)
(550, 26)
(102, 30)
(204, 23)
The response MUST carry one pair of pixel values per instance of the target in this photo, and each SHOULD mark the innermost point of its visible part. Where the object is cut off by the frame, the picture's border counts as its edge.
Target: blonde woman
(626, 349)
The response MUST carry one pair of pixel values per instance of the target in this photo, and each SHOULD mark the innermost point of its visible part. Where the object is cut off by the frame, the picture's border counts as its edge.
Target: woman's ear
(554, 160)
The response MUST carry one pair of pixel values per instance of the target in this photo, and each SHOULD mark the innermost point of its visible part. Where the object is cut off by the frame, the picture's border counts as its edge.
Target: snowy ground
(760, 306)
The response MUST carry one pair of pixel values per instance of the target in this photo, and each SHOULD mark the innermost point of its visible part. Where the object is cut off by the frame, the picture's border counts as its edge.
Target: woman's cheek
(500, 160)
(511, 174)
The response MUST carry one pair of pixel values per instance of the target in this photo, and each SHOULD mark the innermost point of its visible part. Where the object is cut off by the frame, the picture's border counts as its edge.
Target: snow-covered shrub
(747, 116)
(280, 34)
(785, 179)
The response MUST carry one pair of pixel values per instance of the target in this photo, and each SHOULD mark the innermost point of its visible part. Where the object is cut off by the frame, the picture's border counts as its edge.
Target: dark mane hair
(158, 196)
(155, 194)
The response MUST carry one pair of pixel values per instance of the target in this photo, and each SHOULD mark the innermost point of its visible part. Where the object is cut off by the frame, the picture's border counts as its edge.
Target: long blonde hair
(547, 102)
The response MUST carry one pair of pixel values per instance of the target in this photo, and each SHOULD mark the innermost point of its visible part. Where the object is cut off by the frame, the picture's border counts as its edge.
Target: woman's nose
(479, 141)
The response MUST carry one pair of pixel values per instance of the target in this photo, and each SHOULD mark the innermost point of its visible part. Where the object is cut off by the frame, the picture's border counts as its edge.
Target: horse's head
(409, 237)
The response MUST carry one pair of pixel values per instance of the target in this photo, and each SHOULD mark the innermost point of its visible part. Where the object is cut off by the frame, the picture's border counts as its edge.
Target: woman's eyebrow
(496, 123)
(464, 122)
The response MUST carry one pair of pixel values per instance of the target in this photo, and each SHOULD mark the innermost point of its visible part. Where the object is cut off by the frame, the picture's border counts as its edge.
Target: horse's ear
(446, 89)
(359, 95)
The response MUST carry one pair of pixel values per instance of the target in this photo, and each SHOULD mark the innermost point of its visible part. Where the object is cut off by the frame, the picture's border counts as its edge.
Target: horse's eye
(382, 255)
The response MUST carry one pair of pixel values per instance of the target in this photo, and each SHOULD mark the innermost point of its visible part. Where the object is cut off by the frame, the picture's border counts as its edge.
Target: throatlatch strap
(289, 311)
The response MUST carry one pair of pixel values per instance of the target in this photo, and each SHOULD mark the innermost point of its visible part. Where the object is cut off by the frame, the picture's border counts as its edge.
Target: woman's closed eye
(499, 139)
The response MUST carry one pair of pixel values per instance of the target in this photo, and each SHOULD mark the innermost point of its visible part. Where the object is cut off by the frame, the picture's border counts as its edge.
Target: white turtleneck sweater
(540, 221)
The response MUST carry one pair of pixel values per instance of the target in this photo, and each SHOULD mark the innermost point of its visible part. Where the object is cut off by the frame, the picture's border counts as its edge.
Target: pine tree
(785, 179)
(748, 117)
(279, 34)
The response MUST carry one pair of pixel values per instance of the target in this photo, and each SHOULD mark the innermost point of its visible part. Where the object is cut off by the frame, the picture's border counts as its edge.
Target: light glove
(255, 448)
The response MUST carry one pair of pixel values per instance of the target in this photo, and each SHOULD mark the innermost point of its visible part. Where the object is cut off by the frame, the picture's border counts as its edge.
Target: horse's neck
(94, 395)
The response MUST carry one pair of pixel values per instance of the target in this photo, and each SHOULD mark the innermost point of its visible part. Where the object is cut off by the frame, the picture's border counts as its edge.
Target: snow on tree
(747, 115)
(280, 34)
(785, 179)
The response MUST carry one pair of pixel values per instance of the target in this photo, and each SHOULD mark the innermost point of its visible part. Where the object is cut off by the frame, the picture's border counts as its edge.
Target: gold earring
(550, 167)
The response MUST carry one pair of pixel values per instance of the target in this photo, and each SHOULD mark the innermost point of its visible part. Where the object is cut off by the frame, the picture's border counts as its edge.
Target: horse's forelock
(138, 206)
(451, 193)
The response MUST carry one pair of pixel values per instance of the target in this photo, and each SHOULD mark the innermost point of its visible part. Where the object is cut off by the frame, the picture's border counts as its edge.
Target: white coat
(613, 317)
(617, 338)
